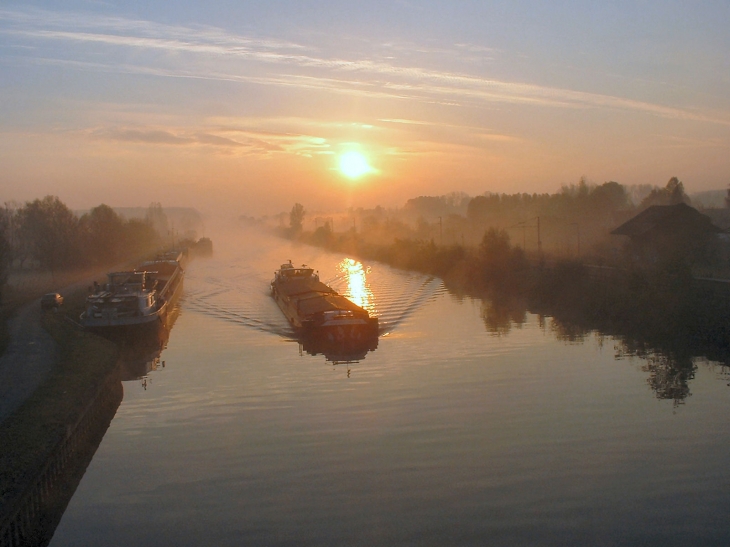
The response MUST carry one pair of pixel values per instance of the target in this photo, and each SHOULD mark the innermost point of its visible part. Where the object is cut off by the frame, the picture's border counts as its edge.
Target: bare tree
(296, 218)
(158, 219)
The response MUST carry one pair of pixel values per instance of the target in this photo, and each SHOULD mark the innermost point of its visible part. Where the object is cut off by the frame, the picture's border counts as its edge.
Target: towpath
(28, 359)
(31, 354)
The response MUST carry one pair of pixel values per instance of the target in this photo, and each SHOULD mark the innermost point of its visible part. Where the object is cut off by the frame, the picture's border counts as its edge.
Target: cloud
(206, 138)
(287, 64)
(247, 142)
(142, 136)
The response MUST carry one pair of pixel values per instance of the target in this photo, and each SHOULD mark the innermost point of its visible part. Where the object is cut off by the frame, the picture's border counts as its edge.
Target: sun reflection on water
(358, 289)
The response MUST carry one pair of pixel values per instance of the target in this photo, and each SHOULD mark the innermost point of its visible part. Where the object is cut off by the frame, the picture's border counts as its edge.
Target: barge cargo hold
(317, 311)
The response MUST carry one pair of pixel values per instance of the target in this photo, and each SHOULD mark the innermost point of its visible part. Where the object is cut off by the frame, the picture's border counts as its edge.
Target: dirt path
(32, 353)
(28, 360)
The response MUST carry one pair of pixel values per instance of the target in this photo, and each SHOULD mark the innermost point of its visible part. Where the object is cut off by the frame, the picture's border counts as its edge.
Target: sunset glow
(358, 290)
(354, 165)
(105, 103)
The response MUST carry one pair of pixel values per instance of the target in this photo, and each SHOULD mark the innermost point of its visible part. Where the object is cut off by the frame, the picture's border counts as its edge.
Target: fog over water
(444, 434)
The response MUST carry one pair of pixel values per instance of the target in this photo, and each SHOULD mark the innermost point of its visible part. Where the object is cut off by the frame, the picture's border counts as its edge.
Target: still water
(446, 434)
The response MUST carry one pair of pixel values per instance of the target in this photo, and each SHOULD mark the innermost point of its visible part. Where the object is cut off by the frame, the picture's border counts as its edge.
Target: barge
(317, 312)
(136, 298)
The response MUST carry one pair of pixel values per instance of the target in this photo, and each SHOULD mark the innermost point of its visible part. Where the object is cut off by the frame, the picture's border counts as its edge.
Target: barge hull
(317, 311)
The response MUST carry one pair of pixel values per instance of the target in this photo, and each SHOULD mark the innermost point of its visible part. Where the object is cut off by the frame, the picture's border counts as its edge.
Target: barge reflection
(142, 355)
(140, 352)
(339, 351)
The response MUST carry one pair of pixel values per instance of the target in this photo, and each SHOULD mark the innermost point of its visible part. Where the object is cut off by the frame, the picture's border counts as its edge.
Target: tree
(609, 197)
(157, 218)
(672, 194)
(139, 237)
(675, 190)
(103, 234)
(500, 262)
(296, 218)
(6, 256)
(50, 230)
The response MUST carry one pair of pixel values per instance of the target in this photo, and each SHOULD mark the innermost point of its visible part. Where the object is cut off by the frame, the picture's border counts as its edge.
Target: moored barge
(317, 311)
(135, 298)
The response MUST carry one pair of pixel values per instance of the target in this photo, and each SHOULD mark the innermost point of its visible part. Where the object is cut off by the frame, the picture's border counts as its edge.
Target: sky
(247, 106)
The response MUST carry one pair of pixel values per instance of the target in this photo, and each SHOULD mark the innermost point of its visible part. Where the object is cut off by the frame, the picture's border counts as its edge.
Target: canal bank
(54, 431)
(62, 390)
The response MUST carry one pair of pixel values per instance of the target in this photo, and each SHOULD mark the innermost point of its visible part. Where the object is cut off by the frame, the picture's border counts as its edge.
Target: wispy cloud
(301, 66)
(222, 139)
(143, 136)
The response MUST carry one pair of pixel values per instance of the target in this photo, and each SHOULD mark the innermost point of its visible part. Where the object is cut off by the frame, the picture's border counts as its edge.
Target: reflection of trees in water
(500, 315)
(670, 369)
(669, 350)
(669, 378)
(566, 331)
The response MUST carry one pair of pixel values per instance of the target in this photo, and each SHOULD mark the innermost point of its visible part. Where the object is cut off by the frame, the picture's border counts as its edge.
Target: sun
(354, 165)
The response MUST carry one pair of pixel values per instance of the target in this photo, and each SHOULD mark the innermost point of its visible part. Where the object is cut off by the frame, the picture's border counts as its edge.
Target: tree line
(575, 221)
(652, 310)
(47, 233)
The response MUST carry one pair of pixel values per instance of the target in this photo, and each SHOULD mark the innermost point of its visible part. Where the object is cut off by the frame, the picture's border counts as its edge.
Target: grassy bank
(28, 285)
(31, 433)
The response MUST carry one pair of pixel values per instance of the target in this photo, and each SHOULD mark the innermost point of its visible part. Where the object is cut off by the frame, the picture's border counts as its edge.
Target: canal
(453, 431)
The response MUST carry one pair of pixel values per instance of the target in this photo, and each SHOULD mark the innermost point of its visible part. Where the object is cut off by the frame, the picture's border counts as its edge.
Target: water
(443, 435)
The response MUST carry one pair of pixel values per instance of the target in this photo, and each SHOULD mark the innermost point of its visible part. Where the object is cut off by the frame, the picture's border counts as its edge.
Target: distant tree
(675, 190)
(672, 194)
(102, 231)
(609, 196)
(323, 235)
(157, 218)
(190, 221)
(499, 260)
(139, 238)
(637, 192)
(6, 255)
(50, 231)
(434, 206)
(727, 198)
(495, 247)
(296, 218)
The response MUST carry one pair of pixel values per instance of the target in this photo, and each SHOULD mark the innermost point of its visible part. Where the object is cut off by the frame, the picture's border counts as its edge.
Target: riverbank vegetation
(653, 304)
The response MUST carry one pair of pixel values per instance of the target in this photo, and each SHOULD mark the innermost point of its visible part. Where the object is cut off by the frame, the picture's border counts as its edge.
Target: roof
(665, 216)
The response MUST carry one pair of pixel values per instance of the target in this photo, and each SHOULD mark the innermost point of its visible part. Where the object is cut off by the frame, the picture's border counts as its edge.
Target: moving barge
(317, 311)
(135, 298)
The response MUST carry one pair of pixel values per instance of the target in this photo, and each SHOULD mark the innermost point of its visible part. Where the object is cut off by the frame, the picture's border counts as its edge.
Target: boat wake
(243, 298)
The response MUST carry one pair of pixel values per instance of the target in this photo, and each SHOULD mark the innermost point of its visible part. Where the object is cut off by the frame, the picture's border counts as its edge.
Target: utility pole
(524, 236)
